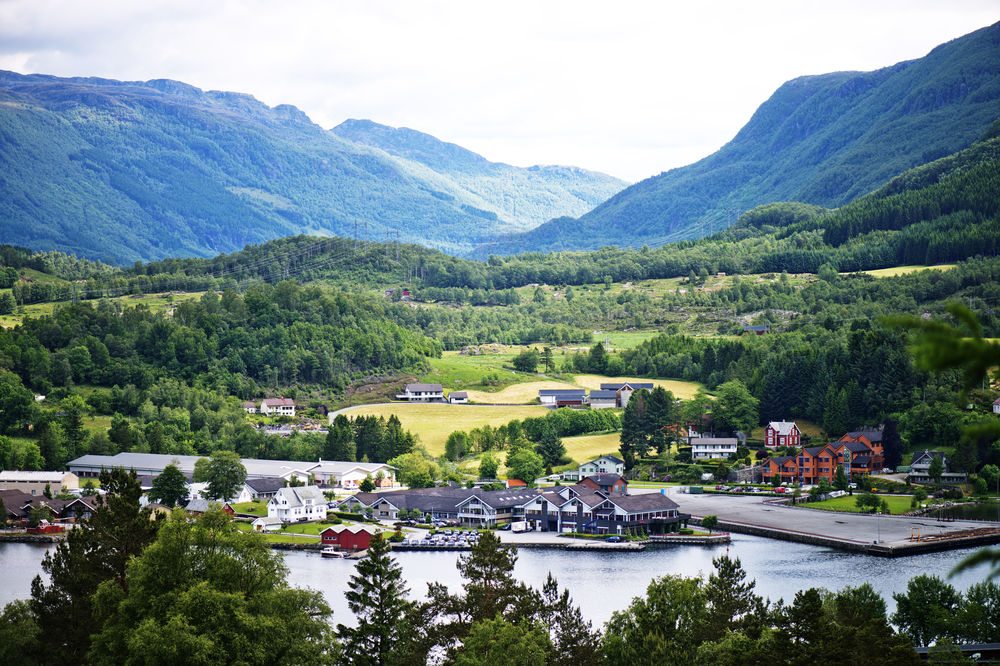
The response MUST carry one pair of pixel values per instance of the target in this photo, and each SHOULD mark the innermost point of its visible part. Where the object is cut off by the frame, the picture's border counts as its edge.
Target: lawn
(433, 422)
(254, 508)
(805, 427)
(584, 448)
(681, 389)
(897, 504)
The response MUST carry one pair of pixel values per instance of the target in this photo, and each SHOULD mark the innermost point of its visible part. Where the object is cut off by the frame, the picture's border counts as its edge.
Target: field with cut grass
(433, 422)
(584, 448)
(681, 389)
(897, 504)
(516, 393)
(904, 270)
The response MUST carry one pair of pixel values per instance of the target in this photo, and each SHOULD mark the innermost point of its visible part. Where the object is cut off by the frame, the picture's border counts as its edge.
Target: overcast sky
(628, 88)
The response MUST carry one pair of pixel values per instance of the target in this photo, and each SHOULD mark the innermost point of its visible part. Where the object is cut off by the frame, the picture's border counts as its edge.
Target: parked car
(614, 538)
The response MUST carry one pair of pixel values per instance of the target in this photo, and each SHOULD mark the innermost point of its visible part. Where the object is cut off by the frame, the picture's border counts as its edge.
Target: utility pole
(397, 244)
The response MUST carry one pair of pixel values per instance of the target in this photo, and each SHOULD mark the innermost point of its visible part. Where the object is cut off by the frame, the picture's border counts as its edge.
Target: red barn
(348, 537)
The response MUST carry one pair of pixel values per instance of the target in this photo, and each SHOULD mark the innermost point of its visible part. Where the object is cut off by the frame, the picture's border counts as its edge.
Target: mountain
(126, 171)
(524, 197)
(822, 140)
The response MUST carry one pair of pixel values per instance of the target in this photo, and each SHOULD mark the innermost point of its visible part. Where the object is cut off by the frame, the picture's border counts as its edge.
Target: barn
(348, 537)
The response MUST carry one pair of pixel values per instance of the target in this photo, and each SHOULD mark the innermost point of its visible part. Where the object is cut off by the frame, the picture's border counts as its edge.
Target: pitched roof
(617, 386)
(643, 503)
(782, 427)
(458, 394)
(606, 478)
(424, 388)
(353, 529)
(857, 447)
(296, 496)
(13, 475)
(603, 395)
(269, 484)
(278, 402)
(813, 450)
(611, 458)
(562, 392)
(732, 441)
(201, 505)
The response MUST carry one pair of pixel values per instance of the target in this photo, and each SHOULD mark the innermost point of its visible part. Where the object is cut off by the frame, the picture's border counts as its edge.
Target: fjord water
(600, 583)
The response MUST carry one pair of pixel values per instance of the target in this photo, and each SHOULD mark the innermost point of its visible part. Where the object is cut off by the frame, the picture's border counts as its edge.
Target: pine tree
(550, 447)
(386, 619)
(892, 443)
(339, 444)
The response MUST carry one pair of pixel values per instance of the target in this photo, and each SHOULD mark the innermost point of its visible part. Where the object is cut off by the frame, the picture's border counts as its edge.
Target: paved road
(858, 528)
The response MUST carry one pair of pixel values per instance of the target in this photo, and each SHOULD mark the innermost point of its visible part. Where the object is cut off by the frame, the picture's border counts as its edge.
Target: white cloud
(630, 88)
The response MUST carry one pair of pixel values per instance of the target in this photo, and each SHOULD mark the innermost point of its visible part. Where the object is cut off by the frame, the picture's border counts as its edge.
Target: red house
(348, 537)
(608, 483)
(817, 462)
(781, 433)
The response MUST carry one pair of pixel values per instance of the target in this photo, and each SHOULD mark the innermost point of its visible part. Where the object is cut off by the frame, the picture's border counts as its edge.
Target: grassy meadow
(681, 389)
(433, 422)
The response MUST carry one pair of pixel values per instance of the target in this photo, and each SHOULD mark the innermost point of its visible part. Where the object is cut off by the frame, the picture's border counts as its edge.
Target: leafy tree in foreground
(98, 550)
(208, 593)
(170, 487)
(926, 611)
(225, 475)
(386, 619)
(497, 642)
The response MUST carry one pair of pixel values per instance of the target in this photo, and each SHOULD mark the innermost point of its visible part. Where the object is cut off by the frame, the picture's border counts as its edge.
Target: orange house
(784, 467)
(817, 462)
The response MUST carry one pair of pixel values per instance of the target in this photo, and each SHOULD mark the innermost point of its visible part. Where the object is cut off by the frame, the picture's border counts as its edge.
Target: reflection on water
(599, 582)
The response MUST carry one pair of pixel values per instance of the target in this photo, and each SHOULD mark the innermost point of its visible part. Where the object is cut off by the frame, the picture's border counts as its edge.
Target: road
(848, 527)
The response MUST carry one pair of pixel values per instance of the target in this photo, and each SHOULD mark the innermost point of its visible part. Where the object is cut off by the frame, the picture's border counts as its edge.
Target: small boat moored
(331, 551)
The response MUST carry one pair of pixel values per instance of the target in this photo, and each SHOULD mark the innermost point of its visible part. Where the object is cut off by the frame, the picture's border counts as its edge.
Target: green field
(255, 508)
(155, 302)
(897, 504)
(433, 422)
(584, 448)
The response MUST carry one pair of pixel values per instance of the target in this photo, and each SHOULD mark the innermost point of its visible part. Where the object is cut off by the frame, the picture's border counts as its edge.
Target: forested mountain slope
(524, 197)
(822, 140)
(125, 171)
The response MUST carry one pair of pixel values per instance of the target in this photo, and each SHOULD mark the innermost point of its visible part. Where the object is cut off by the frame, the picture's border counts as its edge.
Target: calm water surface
(600, 583)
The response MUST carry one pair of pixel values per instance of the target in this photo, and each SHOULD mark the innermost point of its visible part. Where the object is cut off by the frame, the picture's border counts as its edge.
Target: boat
(331, 551)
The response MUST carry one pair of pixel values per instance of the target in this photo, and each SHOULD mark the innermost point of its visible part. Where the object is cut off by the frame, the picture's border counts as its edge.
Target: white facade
(277, 406)
(34, 483)
(704, 448)
(603, 465)
(422, 393)
(294, 505)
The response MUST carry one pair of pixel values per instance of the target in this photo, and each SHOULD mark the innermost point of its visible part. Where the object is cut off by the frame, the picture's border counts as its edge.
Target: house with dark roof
(756, 330)
(578, 508)
(264, 488)
(612, 484)
(624, 390)
(298, 504)
(418, 392)
(920, 468)
(603, 465)
(784, 467)
(602, 399)
(458, 397)
(562, 397)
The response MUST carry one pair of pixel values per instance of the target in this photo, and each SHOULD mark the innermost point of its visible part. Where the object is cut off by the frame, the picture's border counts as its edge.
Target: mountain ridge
(128, 170)
(822, 139)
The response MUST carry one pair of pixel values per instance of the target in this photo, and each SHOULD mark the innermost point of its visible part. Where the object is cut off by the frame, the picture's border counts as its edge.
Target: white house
(603, 465)
(295, 505)
(921, 465)
(458, 397)
(277, 406)
(266, 524)
(351, 474)
(250, 407)
(197, 490)
(422, 393)
(996, 406)
(705, 448)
